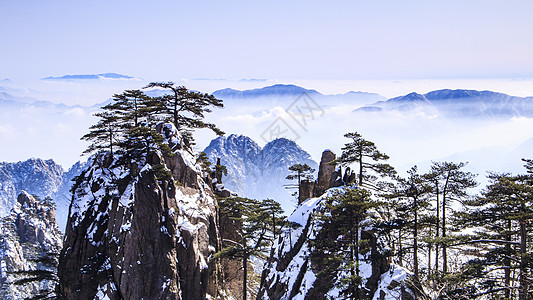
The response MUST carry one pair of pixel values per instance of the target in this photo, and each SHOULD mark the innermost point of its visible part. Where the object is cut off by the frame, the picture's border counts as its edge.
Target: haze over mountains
(490, 130)
(459, 103)
(413, 128)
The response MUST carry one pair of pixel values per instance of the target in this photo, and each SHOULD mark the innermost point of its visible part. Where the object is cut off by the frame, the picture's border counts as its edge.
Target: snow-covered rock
(142, 229)
(290, 274)
(36, 176)
(256, 172)
(28, 234)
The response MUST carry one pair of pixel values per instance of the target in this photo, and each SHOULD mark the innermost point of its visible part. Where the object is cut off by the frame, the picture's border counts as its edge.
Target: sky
(305, 40)
(388, 47)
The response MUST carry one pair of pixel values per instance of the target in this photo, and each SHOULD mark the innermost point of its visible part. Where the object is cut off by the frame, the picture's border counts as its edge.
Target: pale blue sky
(168, 40)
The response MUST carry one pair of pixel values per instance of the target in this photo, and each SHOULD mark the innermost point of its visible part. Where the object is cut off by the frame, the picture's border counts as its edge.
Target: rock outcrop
(325, 169)
(142, 230)
(29, 240)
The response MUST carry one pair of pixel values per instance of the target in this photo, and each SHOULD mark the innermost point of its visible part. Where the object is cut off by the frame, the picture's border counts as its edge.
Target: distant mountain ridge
(285, 90)
(257, 172)
(277, 90)
(89, 76)
(8, 100)
(459, 103)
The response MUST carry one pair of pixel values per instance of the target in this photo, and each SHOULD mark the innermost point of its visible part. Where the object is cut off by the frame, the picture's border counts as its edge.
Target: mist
(417, 136)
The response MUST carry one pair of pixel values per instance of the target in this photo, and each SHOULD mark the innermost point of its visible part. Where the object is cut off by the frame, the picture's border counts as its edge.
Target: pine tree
(413, 203)
(204, 163)
(257, 223)
(337, 248)
(131, 106)
(186, 109)
(359, 151)
(450, 182)
(501, 215)
(301, 172)
(106, 134)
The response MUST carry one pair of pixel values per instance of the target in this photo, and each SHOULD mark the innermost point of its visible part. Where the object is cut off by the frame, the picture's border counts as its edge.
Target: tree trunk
(357, 289)
(360, 167)
(244, 275)
(352, 268)
(437, 233)
(400, 248)
(429, 259)
(111, 140)
(523, 274)
(175, 112)
(444, 254)
(415, 246)
(507, 261)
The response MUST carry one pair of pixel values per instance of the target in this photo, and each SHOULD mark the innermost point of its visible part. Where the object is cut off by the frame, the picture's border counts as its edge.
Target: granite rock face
(325, 170)
(259, 173)
(143, 230)
(27, 236)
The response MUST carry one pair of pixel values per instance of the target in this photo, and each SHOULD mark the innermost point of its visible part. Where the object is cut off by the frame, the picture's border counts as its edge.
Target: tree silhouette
(360, 151)
(105, 134)
(186, 109)
(257, 224)
(300, 172)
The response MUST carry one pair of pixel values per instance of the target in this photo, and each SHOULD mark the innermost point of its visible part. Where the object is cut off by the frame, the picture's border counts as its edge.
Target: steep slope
(259, 173)
(290, 273)
(63, 196)
(27, 236)
(141, 230)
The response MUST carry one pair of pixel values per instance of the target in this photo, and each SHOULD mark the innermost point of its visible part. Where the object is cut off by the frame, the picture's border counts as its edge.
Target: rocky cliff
(30, 241)
(141, 230)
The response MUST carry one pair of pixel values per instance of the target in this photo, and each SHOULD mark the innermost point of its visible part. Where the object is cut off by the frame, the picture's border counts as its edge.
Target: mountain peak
(277, 90)
(411, 97)
(257, 172)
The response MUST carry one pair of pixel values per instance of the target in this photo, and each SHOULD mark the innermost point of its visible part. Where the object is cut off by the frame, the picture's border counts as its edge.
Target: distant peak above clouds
(459, 103)
(90, 76)
(277, 90)
(285, 90)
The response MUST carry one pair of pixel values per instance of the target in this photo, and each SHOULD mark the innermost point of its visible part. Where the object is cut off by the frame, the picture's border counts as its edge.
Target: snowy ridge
(289, 274)
(43, 178)
(28, 233)
(459, 103)
(257, 172)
